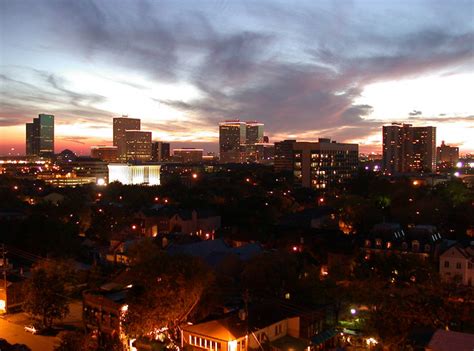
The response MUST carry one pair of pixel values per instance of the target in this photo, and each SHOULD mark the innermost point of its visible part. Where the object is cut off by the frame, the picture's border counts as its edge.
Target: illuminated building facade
(188, 155)
(120, 126)
(323, 164)
(105, 153)
(232, 136)
(40, 136)
(128, 174)
(138, 145)
(446, 154)
(408, 149)
(160, 151)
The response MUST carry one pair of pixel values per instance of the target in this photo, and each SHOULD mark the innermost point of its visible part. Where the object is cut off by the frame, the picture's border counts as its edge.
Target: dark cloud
(45, 92)
(415, 113)
(301, 69)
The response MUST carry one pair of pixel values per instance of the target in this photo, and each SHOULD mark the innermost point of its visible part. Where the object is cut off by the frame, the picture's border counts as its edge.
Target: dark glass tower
(40, 136)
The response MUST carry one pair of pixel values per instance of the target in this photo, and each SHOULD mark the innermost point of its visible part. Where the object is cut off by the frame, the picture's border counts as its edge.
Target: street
(15, 334)
(11, 329)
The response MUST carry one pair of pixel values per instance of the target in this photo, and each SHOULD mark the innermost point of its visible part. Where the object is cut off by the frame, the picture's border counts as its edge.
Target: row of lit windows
(204, 343)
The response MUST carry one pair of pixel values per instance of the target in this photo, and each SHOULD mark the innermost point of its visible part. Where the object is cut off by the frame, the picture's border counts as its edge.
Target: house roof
(444, 340)
(214, 251)
(226, 329)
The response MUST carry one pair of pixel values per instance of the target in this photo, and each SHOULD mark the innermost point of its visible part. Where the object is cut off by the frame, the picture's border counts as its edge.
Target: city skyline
(339, 70)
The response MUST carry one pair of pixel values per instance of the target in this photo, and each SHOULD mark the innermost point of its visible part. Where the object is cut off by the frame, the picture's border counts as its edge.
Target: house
(201, 222)
(275, 326)
(421, 240)
(14, 296)
(118, 252)
(103, 308)
(457, 262)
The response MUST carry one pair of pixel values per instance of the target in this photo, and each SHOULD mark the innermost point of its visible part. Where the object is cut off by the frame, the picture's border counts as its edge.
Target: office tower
(232, 137)
(105, 153)
(138, 145)
(448, 155)
(160, 151)
(323, 164)
(283, 160)
(40, 136)
(122, 124)
(30, 139)
(188, 155)
(254, 132)
(408, 149)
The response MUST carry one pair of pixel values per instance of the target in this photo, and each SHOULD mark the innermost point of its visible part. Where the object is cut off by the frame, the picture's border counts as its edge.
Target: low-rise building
(278, 328)
(457, 264)
(200, 222)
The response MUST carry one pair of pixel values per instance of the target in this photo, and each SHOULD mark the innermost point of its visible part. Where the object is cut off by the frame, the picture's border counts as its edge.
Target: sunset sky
(338, 69)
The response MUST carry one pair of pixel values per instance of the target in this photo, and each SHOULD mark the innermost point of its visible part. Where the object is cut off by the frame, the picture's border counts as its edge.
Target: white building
(457, 263)
(127, 174)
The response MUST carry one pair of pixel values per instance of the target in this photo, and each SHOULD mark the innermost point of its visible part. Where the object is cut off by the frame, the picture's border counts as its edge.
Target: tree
(165, 292)
(45, 291)
(72, 341)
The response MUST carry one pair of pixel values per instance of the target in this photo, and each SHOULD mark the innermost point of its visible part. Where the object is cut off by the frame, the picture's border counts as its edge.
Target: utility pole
(4, 269)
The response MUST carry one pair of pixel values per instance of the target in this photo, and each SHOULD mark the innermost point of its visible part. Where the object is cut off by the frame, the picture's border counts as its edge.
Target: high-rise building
(408, 149)
(254, 133)
(30, 139)
(232, 137)
(283, 160)
(323, 164)
(188, 155)
(160, 151)
(40, 136)
(121, 125)
(448, 155)
(138, 145)
(105, 153)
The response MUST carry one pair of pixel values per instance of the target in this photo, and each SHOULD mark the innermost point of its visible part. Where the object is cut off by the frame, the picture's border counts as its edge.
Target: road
(11, 329)
(15, 334)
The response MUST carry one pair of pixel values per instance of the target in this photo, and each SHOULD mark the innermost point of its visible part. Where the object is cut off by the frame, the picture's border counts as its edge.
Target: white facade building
(457, 263)
(128, 174)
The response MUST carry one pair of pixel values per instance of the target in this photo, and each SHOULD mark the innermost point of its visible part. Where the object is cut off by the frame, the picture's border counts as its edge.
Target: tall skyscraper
(40, 136)
(254, 132)
(122, 124)
(138, 145)
(322, 164)
(408, 149)
(232, 137)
